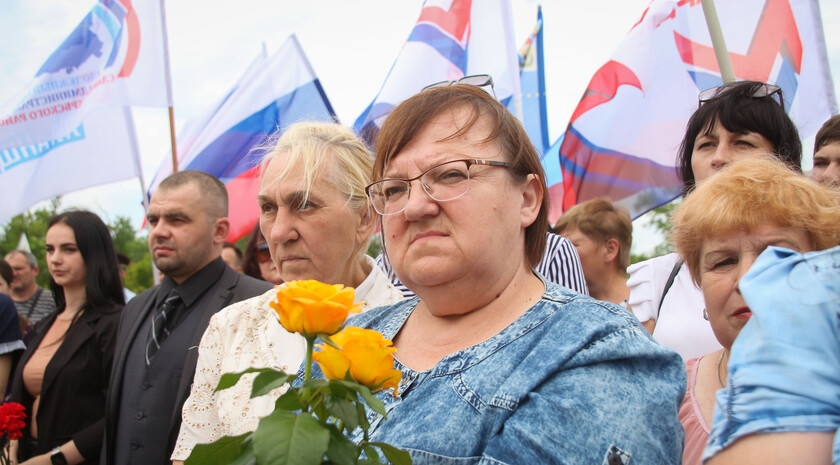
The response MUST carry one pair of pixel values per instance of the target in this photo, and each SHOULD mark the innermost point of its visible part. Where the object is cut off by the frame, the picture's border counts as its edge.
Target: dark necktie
(162, 324)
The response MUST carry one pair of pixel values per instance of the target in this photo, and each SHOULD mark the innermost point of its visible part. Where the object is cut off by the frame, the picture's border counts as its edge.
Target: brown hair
(404, 123)
(750, 193)
(828, 133)
(601, 220)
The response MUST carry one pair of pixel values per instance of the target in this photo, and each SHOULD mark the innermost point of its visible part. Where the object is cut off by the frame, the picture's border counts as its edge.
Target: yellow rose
(311, 307)
(365, 353)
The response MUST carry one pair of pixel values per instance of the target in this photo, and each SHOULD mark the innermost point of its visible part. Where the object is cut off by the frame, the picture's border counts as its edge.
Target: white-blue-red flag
(532, 79)
(624, 135)
(273, 93)
(452, 39)
(534, 109)
(103, 149)
(114, 57)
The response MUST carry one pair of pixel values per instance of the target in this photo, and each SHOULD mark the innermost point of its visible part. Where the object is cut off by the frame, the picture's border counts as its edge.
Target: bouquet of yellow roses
(310, 423)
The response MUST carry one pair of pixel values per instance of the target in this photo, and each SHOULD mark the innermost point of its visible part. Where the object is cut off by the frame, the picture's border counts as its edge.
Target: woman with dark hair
(733, 122)
(63, 375)
(257, 262)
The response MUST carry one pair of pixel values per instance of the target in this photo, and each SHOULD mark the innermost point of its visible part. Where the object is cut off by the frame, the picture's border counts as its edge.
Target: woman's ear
(368, 223)
(532, 195)
(611, 249)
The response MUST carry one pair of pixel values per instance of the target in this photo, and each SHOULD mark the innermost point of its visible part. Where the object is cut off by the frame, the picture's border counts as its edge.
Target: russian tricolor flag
(273, 93)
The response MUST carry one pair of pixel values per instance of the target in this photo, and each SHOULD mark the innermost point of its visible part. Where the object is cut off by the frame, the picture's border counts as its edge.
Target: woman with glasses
(733, 122)
(317, 221)
(499, 366)
(257, 262)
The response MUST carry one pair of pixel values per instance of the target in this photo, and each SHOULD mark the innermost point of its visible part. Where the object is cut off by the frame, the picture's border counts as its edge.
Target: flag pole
(168, 87)
(715, 31)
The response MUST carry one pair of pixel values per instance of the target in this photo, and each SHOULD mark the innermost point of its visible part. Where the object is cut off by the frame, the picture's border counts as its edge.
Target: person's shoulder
(140, 299)
(591, 318)
(661, 264)
(245, 286)
(254, 307)
(6, 300)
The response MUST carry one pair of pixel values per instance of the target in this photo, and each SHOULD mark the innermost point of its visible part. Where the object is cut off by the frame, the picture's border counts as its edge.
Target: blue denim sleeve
(615, 402)
(784, 367)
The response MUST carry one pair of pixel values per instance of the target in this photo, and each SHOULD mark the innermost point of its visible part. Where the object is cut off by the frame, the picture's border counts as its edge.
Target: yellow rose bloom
(365, 353)
(311, 307)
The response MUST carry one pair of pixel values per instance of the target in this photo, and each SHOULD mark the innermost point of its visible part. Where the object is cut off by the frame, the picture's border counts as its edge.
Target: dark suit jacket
(75, 382)
(232, 287)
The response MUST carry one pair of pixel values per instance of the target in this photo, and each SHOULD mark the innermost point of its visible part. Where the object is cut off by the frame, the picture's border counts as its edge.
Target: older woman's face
(719, 147)
(313, 239)
(475, 236)
(725, 259)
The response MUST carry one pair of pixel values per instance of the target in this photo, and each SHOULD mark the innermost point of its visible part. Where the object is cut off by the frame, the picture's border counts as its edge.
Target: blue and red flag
(534, 109)
(532, 79)
(624, 135)
(452, 39)
(273, 93)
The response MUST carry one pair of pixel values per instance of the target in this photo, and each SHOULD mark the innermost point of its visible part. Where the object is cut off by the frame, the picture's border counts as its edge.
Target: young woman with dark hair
(63, 375)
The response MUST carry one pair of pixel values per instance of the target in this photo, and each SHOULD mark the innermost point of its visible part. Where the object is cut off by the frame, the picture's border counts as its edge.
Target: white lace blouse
(244, 335)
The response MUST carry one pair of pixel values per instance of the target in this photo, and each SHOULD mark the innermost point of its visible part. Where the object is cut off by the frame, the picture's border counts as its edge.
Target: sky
(350, 44)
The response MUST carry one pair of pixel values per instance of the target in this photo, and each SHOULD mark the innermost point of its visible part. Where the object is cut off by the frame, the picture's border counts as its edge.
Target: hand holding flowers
(310, 422)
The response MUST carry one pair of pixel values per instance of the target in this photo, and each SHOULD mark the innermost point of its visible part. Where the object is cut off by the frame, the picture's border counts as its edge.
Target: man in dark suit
(159, 333)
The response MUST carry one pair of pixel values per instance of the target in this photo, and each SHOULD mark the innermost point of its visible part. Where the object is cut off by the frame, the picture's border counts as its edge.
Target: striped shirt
(560, 264)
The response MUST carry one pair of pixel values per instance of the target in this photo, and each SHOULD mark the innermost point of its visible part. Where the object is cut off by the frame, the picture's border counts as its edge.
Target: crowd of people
(518, 341)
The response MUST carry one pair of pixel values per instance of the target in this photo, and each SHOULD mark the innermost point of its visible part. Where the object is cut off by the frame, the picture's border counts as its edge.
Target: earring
(705, 314)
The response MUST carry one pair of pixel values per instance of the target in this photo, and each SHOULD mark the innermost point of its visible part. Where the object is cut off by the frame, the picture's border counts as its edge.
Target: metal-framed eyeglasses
(761, 91)
(442, 183)
(478, 80)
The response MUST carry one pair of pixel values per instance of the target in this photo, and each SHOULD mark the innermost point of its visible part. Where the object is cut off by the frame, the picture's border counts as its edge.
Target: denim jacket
(573, 380)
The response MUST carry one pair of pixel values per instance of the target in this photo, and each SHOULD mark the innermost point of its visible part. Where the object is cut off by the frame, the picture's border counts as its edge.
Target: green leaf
(286, 438)
(222, 452)
(371, 453)
(375, 404)
(342, 451)
(288, 401)
(326, 339)
(230, 379)
(394, 455)
(344, 410)
(268, 380)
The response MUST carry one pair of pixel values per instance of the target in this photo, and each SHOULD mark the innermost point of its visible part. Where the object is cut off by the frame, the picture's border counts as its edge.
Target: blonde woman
(317, 221)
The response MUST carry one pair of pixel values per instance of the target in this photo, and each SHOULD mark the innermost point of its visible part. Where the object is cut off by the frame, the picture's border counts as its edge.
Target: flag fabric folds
(221, 140)
(624, 135)
(451, 39)
(115, 57)
(534, 110)
(532, 79)
(103, 149)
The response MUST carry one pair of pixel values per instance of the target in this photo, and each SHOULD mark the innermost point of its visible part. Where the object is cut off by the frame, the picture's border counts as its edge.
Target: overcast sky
(351, 45)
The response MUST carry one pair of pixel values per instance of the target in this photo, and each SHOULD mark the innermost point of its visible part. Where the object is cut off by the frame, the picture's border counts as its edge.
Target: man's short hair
(123, 260)
(236, 250)
(33, 262)
(213, 193)
(829, 133)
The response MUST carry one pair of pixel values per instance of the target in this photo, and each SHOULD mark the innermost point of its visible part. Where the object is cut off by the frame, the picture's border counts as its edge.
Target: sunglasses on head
(263, 255)
(479, 80)
(761, 91)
